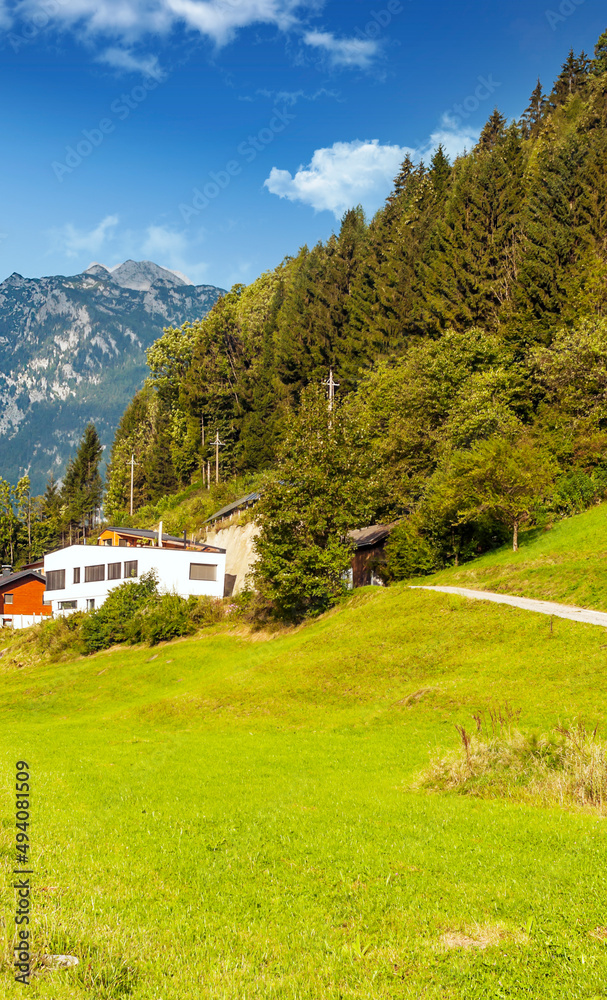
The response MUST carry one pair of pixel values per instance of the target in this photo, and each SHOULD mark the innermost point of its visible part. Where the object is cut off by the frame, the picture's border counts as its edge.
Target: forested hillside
(505, 248)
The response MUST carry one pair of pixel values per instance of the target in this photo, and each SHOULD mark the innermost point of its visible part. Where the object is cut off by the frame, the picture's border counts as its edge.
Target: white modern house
(80, 577)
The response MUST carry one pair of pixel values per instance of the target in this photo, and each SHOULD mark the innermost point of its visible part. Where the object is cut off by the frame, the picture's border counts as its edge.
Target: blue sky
(218, 136)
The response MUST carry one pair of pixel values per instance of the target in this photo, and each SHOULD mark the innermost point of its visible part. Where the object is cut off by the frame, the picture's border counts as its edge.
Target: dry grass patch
(567, 767)
(480, 936)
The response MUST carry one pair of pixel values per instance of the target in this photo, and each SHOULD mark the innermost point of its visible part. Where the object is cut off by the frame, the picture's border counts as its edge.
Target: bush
(207, 611)
(567, 766)
(132, 612)
(578, 490)
(409, 553)
(166, 617)
(61, 637)
(113, 622)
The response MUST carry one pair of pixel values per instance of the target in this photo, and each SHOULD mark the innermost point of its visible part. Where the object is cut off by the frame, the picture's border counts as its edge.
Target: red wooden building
(21, 598)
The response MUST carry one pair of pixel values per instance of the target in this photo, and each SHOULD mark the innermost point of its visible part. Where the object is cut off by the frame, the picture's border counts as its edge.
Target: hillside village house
(225, 526)
(22, 600)
(80, 577)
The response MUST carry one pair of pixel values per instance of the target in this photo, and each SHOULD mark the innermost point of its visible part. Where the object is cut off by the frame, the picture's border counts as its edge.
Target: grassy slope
(567, 563)
(229, 818)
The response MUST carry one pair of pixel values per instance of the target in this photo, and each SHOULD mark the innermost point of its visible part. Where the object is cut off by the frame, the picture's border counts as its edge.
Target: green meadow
(237, 817)
(565, 561)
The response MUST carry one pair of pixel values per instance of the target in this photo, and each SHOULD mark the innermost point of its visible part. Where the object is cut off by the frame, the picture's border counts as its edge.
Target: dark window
(55, 579)
(113, 571)
(68, 605)
(130, 569)
(90, 604)
(8, 598)
(77, 574)
(202, 571)
(108, 541)
(92, 574)
(45, 599)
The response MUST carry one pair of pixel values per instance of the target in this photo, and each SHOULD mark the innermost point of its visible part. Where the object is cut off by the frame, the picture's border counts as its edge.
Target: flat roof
(146, 533)
(112, 551)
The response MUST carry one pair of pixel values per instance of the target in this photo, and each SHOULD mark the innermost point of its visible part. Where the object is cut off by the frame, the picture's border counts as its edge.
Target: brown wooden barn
(21, 598)
(369, 556)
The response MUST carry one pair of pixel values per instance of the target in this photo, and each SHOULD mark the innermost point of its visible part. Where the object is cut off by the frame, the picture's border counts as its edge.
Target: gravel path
(542, 607)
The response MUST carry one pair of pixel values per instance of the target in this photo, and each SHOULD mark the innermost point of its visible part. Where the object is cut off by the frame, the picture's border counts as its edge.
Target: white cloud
(127, 60)
(170, 248)
(291, 97)
(454, 138)
(352, 173)
(123, 24)
(174, 249)
(346, 52)
(73, 242)
(346, 174)
(5, 17)
(132, 20)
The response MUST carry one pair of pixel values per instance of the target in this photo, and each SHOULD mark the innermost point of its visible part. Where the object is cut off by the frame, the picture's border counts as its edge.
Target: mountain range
(72, 349)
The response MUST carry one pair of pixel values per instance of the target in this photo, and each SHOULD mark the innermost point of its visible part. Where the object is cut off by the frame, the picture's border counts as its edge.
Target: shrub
(166, 617)
(61, 638)
(568, 765)
(113, 621)
(207, 611)
(574, 492)
(409, 553)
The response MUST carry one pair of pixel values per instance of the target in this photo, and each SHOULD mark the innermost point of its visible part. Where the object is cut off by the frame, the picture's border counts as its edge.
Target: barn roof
(12, 578)
(366, 537)
(233, 507)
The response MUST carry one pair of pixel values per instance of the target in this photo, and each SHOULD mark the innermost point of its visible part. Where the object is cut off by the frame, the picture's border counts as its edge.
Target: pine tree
(493, 131)
(535, 113)
(440, 171)
(572, 78)
(599, 63)
(82, 486)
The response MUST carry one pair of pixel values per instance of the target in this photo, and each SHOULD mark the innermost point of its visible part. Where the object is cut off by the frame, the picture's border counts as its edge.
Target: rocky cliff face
(72, 349)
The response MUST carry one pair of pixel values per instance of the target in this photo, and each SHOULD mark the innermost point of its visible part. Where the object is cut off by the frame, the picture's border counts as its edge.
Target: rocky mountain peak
(98, 271)
(72, 349)
(141, 275)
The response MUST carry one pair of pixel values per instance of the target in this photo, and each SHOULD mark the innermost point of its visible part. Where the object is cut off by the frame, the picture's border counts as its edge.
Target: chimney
(160, 535)
(6, 569)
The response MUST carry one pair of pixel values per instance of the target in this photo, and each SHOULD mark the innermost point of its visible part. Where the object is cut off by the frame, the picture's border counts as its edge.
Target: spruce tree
(535, 113)
(572, 78)
(599, 63)
(492, 132)
(82, 486)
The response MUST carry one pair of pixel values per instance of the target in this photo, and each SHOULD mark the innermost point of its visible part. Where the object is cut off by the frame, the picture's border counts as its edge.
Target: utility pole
(333, 385)
(217, 442)
(132, 465)
(29, 527)
(202, 428)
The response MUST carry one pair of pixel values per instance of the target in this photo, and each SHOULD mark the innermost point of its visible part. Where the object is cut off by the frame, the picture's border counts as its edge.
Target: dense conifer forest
(505, 249)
